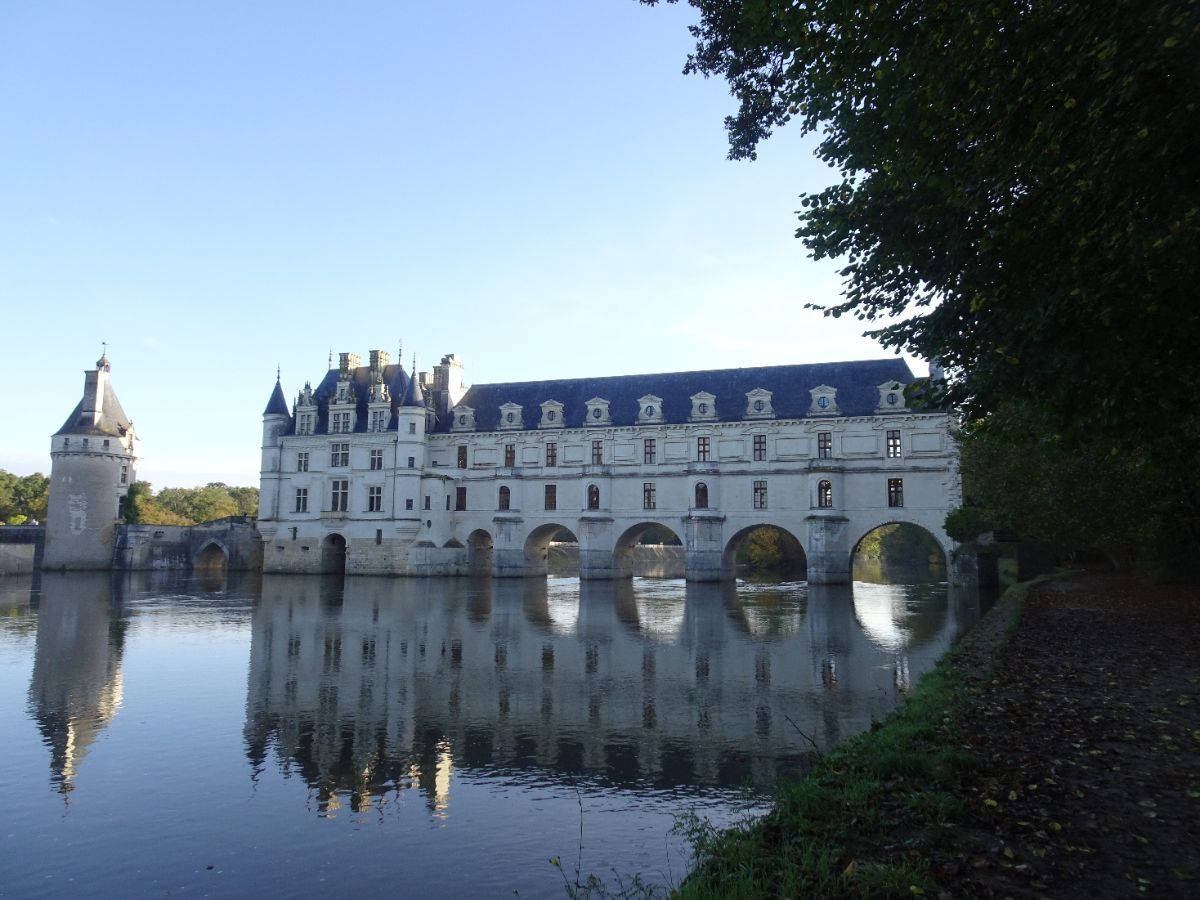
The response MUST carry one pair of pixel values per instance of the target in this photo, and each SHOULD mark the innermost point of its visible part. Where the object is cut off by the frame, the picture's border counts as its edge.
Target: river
(296, 737)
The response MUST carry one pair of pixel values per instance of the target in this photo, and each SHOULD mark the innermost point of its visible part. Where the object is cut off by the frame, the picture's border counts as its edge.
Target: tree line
(24, 498)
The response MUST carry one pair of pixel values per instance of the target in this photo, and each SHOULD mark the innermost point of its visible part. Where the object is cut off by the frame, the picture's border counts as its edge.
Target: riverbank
(1055, 752)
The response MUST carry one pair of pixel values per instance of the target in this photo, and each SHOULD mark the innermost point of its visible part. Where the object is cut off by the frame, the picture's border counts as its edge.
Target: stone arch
(625, 562)
(479, 552)
(700, 500)
(791, 548)
(537, 546)
(909, 564)
(211, 559)
(333, 554)
(454, 544)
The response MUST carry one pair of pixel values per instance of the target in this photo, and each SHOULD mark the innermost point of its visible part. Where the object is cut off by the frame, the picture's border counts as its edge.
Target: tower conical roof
(277, 405)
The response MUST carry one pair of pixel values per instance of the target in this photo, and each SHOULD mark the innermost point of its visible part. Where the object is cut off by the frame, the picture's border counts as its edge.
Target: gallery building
(379, 471)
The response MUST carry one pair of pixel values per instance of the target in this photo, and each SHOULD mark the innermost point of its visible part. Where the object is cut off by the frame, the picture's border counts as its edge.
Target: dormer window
(597, 412)
(824, 401)
(704, 407)
(759, 405)
(464, 419)
(650, 410)
(341, 421)
(304, 423)
(891, 397)
(552, 414)
(510, 417)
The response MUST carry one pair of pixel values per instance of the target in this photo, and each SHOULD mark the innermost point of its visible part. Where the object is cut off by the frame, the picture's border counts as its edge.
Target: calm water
(293, 737)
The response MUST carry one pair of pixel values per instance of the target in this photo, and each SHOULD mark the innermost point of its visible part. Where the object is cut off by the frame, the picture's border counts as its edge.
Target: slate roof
(113, 421)
(856, 383)
(394, 377)
(277, 405)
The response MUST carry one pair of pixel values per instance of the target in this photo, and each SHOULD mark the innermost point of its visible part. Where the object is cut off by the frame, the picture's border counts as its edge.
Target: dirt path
(1087, 735)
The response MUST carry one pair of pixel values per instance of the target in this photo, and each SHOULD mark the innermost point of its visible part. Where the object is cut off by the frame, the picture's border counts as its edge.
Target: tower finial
(277, 371)
(102, 363)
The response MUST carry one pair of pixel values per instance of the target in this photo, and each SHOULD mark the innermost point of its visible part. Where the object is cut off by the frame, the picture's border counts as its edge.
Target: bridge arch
(899, 549)
(211, 559)
(623, 548)
(782, 550)
(333, 554)
(537, 545)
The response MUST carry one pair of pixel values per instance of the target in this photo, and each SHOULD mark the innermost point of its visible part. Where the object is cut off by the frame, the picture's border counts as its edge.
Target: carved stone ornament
(649, 410)
(464, 419)
(552, 414)
(758, 404)
(704, 407)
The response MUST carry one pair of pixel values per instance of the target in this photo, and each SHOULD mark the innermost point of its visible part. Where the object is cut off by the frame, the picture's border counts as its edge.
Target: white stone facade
(480, 483)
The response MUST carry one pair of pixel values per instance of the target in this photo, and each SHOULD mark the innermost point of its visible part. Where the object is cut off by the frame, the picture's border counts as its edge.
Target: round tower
(93, 461)
(276, 421)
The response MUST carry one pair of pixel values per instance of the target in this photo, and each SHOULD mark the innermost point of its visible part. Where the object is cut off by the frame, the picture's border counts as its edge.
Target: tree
(23, 498)
(1020, 180)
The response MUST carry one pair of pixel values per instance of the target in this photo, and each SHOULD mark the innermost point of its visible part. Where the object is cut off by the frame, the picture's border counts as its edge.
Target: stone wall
(179, 547)
(21, 548)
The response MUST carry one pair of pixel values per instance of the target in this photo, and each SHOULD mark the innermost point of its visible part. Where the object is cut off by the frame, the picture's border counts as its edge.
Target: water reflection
(76, 686)
(379, 687)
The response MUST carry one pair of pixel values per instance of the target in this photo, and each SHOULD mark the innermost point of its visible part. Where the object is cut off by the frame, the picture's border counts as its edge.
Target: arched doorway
(898, 553)
(479, 552)
(765, 553)
(333, 555)
(649, 550)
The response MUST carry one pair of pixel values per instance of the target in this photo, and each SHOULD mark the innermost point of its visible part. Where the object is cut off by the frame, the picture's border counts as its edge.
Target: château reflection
(378, 686)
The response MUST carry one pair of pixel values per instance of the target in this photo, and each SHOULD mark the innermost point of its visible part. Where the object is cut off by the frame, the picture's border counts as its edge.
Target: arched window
(505, 497)
(701, 495)
(593, 497)
(825, 495)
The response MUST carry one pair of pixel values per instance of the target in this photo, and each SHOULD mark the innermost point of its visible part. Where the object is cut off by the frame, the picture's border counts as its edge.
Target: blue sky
(217, 188)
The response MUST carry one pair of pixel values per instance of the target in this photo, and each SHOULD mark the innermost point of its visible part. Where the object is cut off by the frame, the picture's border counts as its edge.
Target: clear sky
(217, 188)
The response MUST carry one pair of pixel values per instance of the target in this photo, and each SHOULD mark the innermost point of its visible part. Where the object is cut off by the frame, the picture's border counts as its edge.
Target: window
(701, 495)
(505, 501)
(510, 455)
(552, 496)
(428, 501)
(124, 474)
(649, 495)
(551, 453)
(460, 498)
(374, 498)
(339, 455)
(893, 444)
(447, 502)
(825, 495)
(824, 444)
(412, 462)
(760, 495)
(702, 449)
(294, 532)
(760, 447)
(597, 453)
(66, 443)
(593, 497)
(340, 423)
(339, 497)
(649, 450)
(304, 423)
(412, 427)
(895, 492)
(377, 459)
(302, 500)
(379, 419)
(302, 461)
(462, 456)
(105, 444)
(378, 535)
(408, 503)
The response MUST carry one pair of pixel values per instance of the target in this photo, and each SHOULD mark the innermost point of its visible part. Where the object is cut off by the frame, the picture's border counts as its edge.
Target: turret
(93, 460)
(276, 421)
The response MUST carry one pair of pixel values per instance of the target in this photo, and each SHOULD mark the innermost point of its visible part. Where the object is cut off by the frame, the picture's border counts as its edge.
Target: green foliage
(23, 498)
(187, 506)
(770, 549)
(900, 543)
(1022, 182)
(967, 523)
